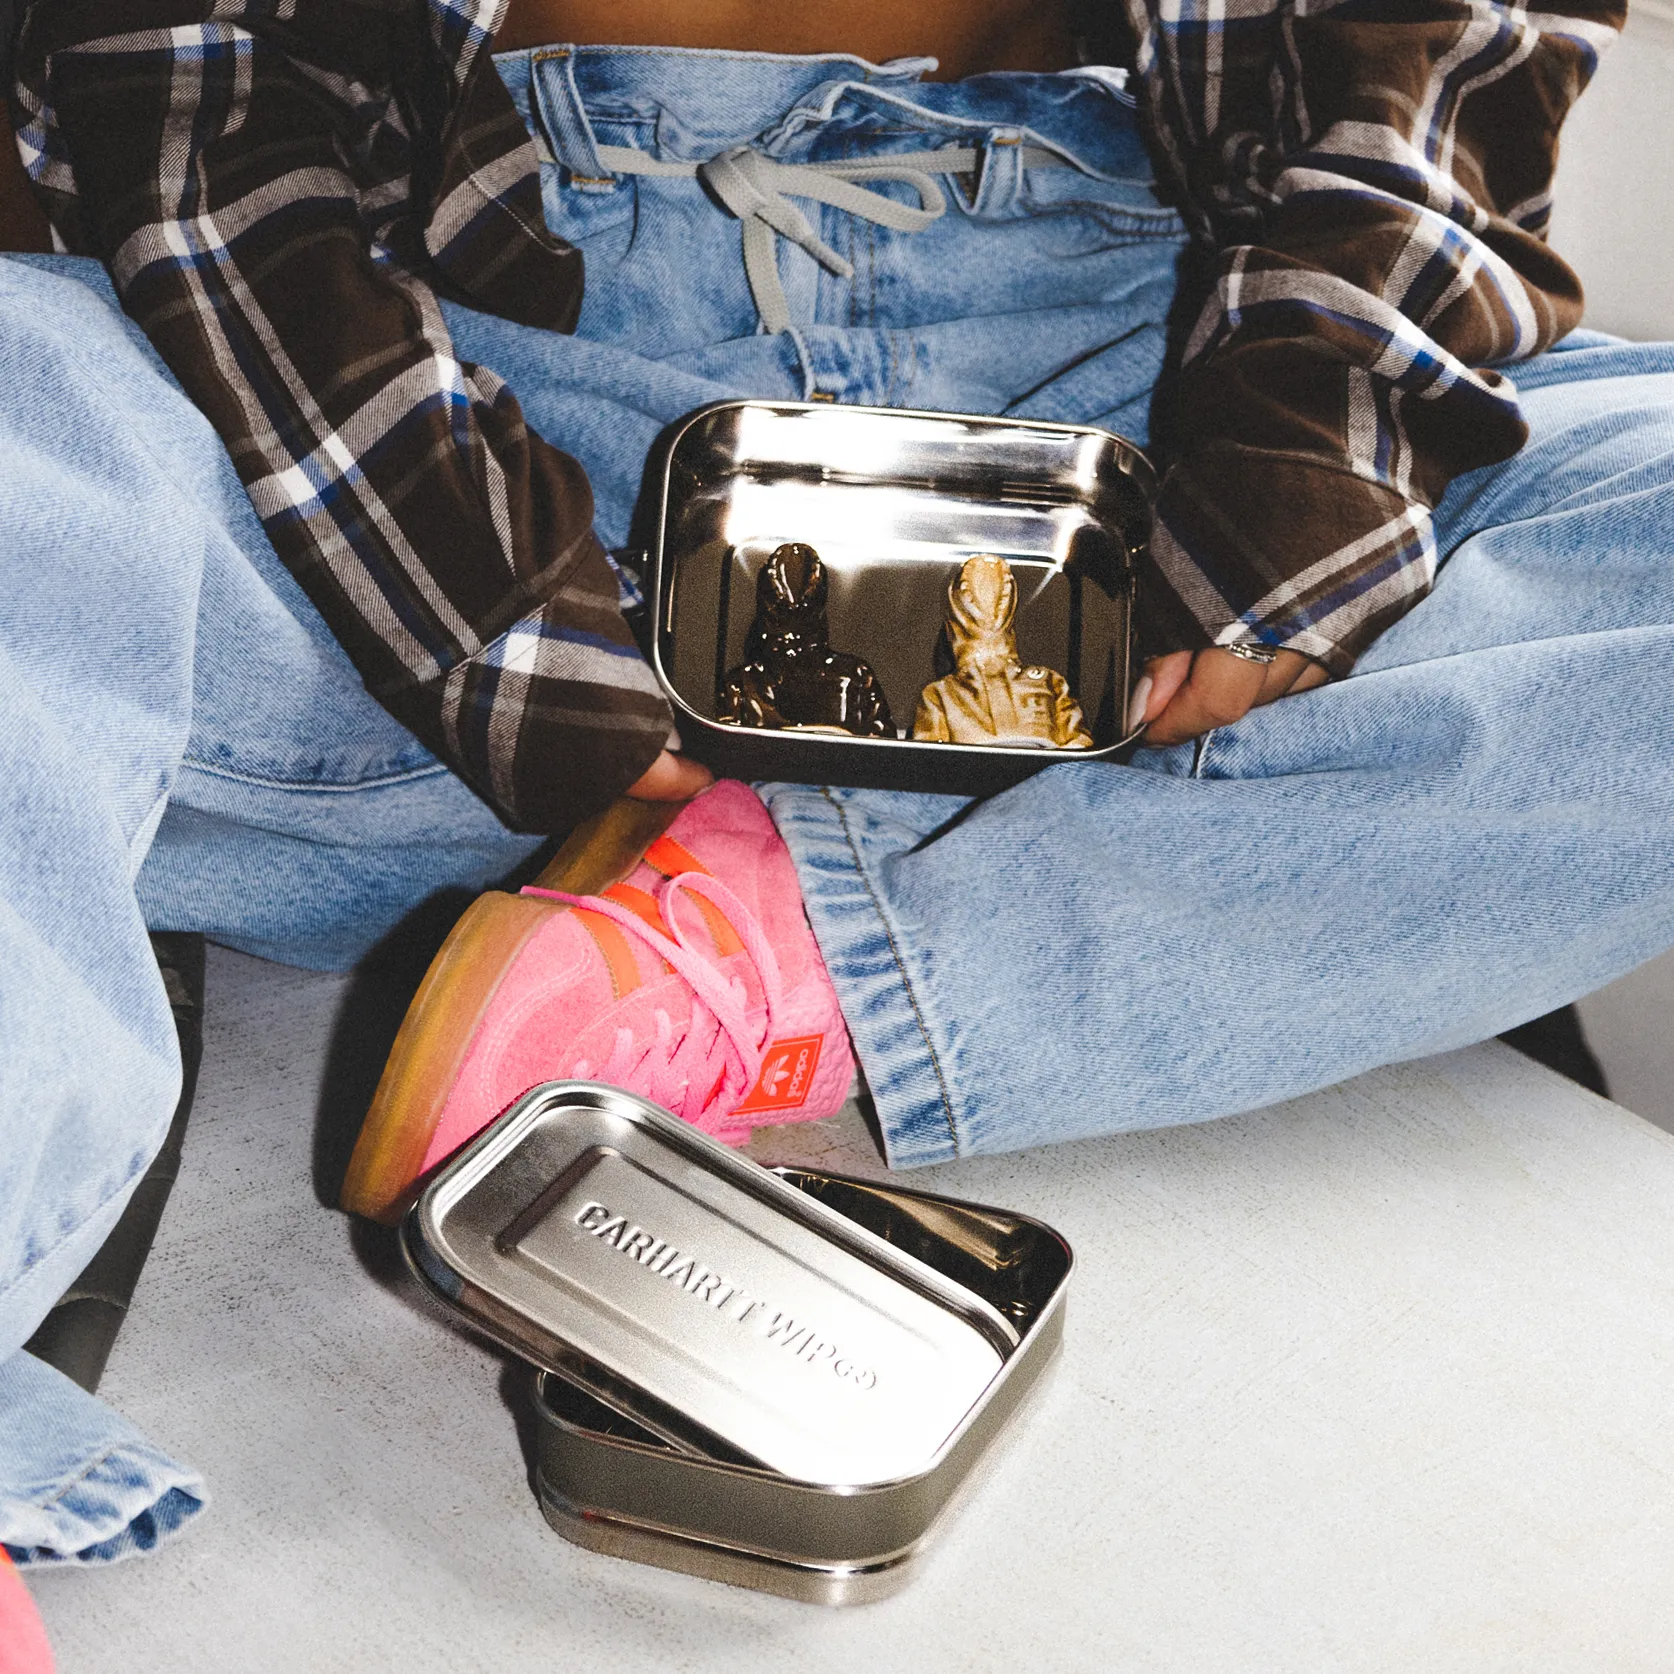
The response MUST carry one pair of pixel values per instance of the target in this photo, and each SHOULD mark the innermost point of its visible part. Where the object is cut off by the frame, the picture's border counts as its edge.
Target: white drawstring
(757, 190)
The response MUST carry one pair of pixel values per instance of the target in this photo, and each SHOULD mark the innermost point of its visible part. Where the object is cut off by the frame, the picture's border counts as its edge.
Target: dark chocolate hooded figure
(791, 677)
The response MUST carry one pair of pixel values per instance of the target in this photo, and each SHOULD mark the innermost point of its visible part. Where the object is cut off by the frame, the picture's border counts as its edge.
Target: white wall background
(1615, 221)
(1614, 217)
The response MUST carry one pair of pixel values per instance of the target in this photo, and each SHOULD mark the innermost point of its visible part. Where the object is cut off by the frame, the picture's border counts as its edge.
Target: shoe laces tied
(716, 1059)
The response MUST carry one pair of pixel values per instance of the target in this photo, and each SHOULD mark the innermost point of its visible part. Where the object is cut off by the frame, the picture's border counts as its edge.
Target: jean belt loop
(1000, 183)
(564, 119)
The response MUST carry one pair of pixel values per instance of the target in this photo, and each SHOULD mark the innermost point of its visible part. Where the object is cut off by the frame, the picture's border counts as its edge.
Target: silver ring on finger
(1251, 651)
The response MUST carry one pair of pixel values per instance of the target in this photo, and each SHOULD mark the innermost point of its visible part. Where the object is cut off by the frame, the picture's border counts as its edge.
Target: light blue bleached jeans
(1470, 830)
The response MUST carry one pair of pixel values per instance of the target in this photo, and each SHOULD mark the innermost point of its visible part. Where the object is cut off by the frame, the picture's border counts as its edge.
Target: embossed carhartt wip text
(729, 1300)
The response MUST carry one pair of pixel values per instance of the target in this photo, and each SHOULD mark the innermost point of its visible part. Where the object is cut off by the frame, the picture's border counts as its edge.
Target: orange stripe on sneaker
(671, 857)
(640, 902)
(613, 944)
(642, 906)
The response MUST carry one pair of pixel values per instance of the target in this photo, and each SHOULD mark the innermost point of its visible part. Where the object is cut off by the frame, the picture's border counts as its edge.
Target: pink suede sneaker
(693, 981)
(23, 1641)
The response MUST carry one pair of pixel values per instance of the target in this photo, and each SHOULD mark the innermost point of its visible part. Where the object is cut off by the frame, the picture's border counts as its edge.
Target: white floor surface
(1375, 1380)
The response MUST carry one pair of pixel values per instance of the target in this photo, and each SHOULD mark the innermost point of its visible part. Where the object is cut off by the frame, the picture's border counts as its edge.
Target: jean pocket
(1100, 213)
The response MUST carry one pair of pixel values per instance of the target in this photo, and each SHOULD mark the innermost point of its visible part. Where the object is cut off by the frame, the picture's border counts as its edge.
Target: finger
(1163, 677)
(1290, 672)
(671, 778)
(1221, 688)
(1283, 672)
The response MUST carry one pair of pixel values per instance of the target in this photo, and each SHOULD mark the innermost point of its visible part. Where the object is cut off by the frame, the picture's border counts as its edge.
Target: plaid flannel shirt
(280, 187)
(1375, 179)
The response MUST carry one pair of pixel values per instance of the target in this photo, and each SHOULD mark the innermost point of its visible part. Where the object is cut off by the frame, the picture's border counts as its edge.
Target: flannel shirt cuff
(559, 715)
(1293, 552)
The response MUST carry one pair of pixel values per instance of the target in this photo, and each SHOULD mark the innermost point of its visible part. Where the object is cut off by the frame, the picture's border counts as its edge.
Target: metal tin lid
(701, 1295)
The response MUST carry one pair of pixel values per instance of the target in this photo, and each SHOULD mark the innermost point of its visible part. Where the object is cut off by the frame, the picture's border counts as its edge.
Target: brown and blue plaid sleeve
(1375, 177)
(277, 187)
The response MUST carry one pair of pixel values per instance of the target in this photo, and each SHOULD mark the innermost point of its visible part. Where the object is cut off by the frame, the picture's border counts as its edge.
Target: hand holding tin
(791, 677)
(991, 697)
(1185, 694)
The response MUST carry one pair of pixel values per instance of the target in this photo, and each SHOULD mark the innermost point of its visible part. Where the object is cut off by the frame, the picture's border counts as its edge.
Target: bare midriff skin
(966, 36)
(1184, 694)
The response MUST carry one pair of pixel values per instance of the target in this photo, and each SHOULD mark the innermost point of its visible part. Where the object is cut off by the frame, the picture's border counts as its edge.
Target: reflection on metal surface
(791, 676)
(1013, 1263)
(896, 502)
(611, 1485)
(644, 1541)
(992, 697)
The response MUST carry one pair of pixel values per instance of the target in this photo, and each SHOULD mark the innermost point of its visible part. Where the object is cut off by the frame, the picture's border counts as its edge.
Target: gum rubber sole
(436, 1034)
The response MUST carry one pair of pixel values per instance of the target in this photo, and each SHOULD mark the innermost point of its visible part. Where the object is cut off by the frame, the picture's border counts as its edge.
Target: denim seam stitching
(324, 788)
(79, 1478)
(895, 954)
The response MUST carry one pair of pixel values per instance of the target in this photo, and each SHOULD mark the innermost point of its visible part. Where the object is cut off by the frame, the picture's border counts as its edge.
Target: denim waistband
(682, 104)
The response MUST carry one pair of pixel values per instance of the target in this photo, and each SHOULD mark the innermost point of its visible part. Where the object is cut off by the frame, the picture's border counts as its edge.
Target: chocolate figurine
(790, 676)
(991, 698)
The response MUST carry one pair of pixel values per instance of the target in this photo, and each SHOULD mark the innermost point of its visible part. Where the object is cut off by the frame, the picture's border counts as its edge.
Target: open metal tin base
(613, 1487)
(705, 1429)
(894, 502)
(590, 1452)
(665, 1549)
(711, 1560)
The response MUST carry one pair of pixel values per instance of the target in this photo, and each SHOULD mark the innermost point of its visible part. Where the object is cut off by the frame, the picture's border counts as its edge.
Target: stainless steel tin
(895, 502)
(610, 1485)
(774, 1379)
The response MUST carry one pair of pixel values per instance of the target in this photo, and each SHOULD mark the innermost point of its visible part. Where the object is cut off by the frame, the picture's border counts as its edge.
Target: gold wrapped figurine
(791, 677)
(991, 698)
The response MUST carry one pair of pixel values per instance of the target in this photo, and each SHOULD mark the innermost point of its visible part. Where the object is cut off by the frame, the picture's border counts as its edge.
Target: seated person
(394, 660)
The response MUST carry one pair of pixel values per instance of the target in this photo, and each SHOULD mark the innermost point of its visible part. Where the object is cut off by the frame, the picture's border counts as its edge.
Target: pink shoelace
(715, 1060)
